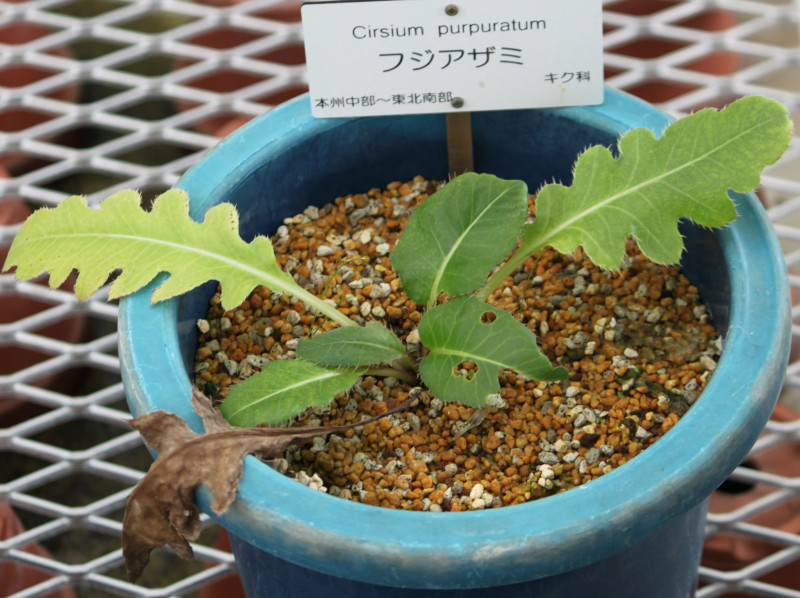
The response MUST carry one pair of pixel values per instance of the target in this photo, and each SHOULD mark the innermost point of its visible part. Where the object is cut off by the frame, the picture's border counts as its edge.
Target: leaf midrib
(446, 261)
(239, 265)
(282, 390)
(470, 356)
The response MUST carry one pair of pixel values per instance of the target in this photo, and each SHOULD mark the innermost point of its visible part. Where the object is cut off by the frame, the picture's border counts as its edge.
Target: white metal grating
(101, 95)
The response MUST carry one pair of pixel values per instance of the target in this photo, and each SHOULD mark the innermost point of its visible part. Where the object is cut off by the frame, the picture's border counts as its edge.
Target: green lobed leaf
(352, 346)
(283, 389)
(655, 182)
(467, 329)
(457, 236)
(122, 236)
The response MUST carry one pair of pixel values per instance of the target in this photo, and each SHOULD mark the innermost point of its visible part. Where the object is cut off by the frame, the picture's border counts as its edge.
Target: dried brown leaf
(161, 509)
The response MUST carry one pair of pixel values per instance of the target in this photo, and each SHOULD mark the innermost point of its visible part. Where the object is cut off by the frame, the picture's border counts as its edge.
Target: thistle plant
(457, 247)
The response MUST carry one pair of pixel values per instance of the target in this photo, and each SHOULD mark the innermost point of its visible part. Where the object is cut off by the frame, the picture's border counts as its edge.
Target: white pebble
(231, 366)
(476, 492)
(324, 251)
(495, 400)
(570, 457)
(381, 290)
(363, 236)
(255, 360)
(477, 505)
(708, 363)
(245, 370)
(203, 326)
(314, 482)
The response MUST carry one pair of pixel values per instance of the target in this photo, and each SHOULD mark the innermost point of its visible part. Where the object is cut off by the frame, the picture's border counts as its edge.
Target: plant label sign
(420, 56)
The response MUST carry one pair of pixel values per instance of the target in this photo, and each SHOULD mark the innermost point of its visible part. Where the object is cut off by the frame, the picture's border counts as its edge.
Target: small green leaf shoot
(466, 329)
(353, 346)
(283, 389)
(457, 235)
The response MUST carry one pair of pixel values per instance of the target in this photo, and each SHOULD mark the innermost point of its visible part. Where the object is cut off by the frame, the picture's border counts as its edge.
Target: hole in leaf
(488, 317)
(466, 369)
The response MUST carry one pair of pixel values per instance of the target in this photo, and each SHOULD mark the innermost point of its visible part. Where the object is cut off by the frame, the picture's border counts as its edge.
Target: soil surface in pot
(639, 345)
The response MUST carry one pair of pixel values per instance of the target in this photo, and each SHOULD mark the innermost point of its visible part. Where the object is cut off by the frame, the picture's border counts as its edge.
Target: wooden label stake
(459, 143)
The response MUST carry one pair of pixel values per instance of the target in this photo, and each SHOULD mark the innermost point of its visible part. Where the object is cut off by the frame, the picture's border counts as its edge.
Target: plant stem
(391, 372)
(411, 366)
(321, 306)
(506, 269)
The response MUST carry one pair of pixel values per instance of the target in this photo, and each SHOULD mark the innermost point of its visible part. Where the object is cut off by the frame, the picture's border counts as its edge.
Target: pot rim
(508, 544)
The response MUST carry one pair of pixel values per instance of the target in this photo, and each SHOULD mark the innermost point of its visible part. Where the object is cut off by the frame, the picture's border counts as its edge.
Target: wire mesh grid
(101, 95)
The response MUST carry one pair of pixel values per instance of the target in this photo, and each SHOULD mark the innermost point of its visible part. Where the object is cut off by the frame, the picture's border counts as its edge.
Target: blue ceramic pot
(636, 531)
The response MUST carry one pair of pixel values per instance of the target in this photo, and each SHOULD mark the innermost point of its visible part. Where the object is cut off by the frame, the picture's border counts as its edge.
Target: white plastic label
(418, 56)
